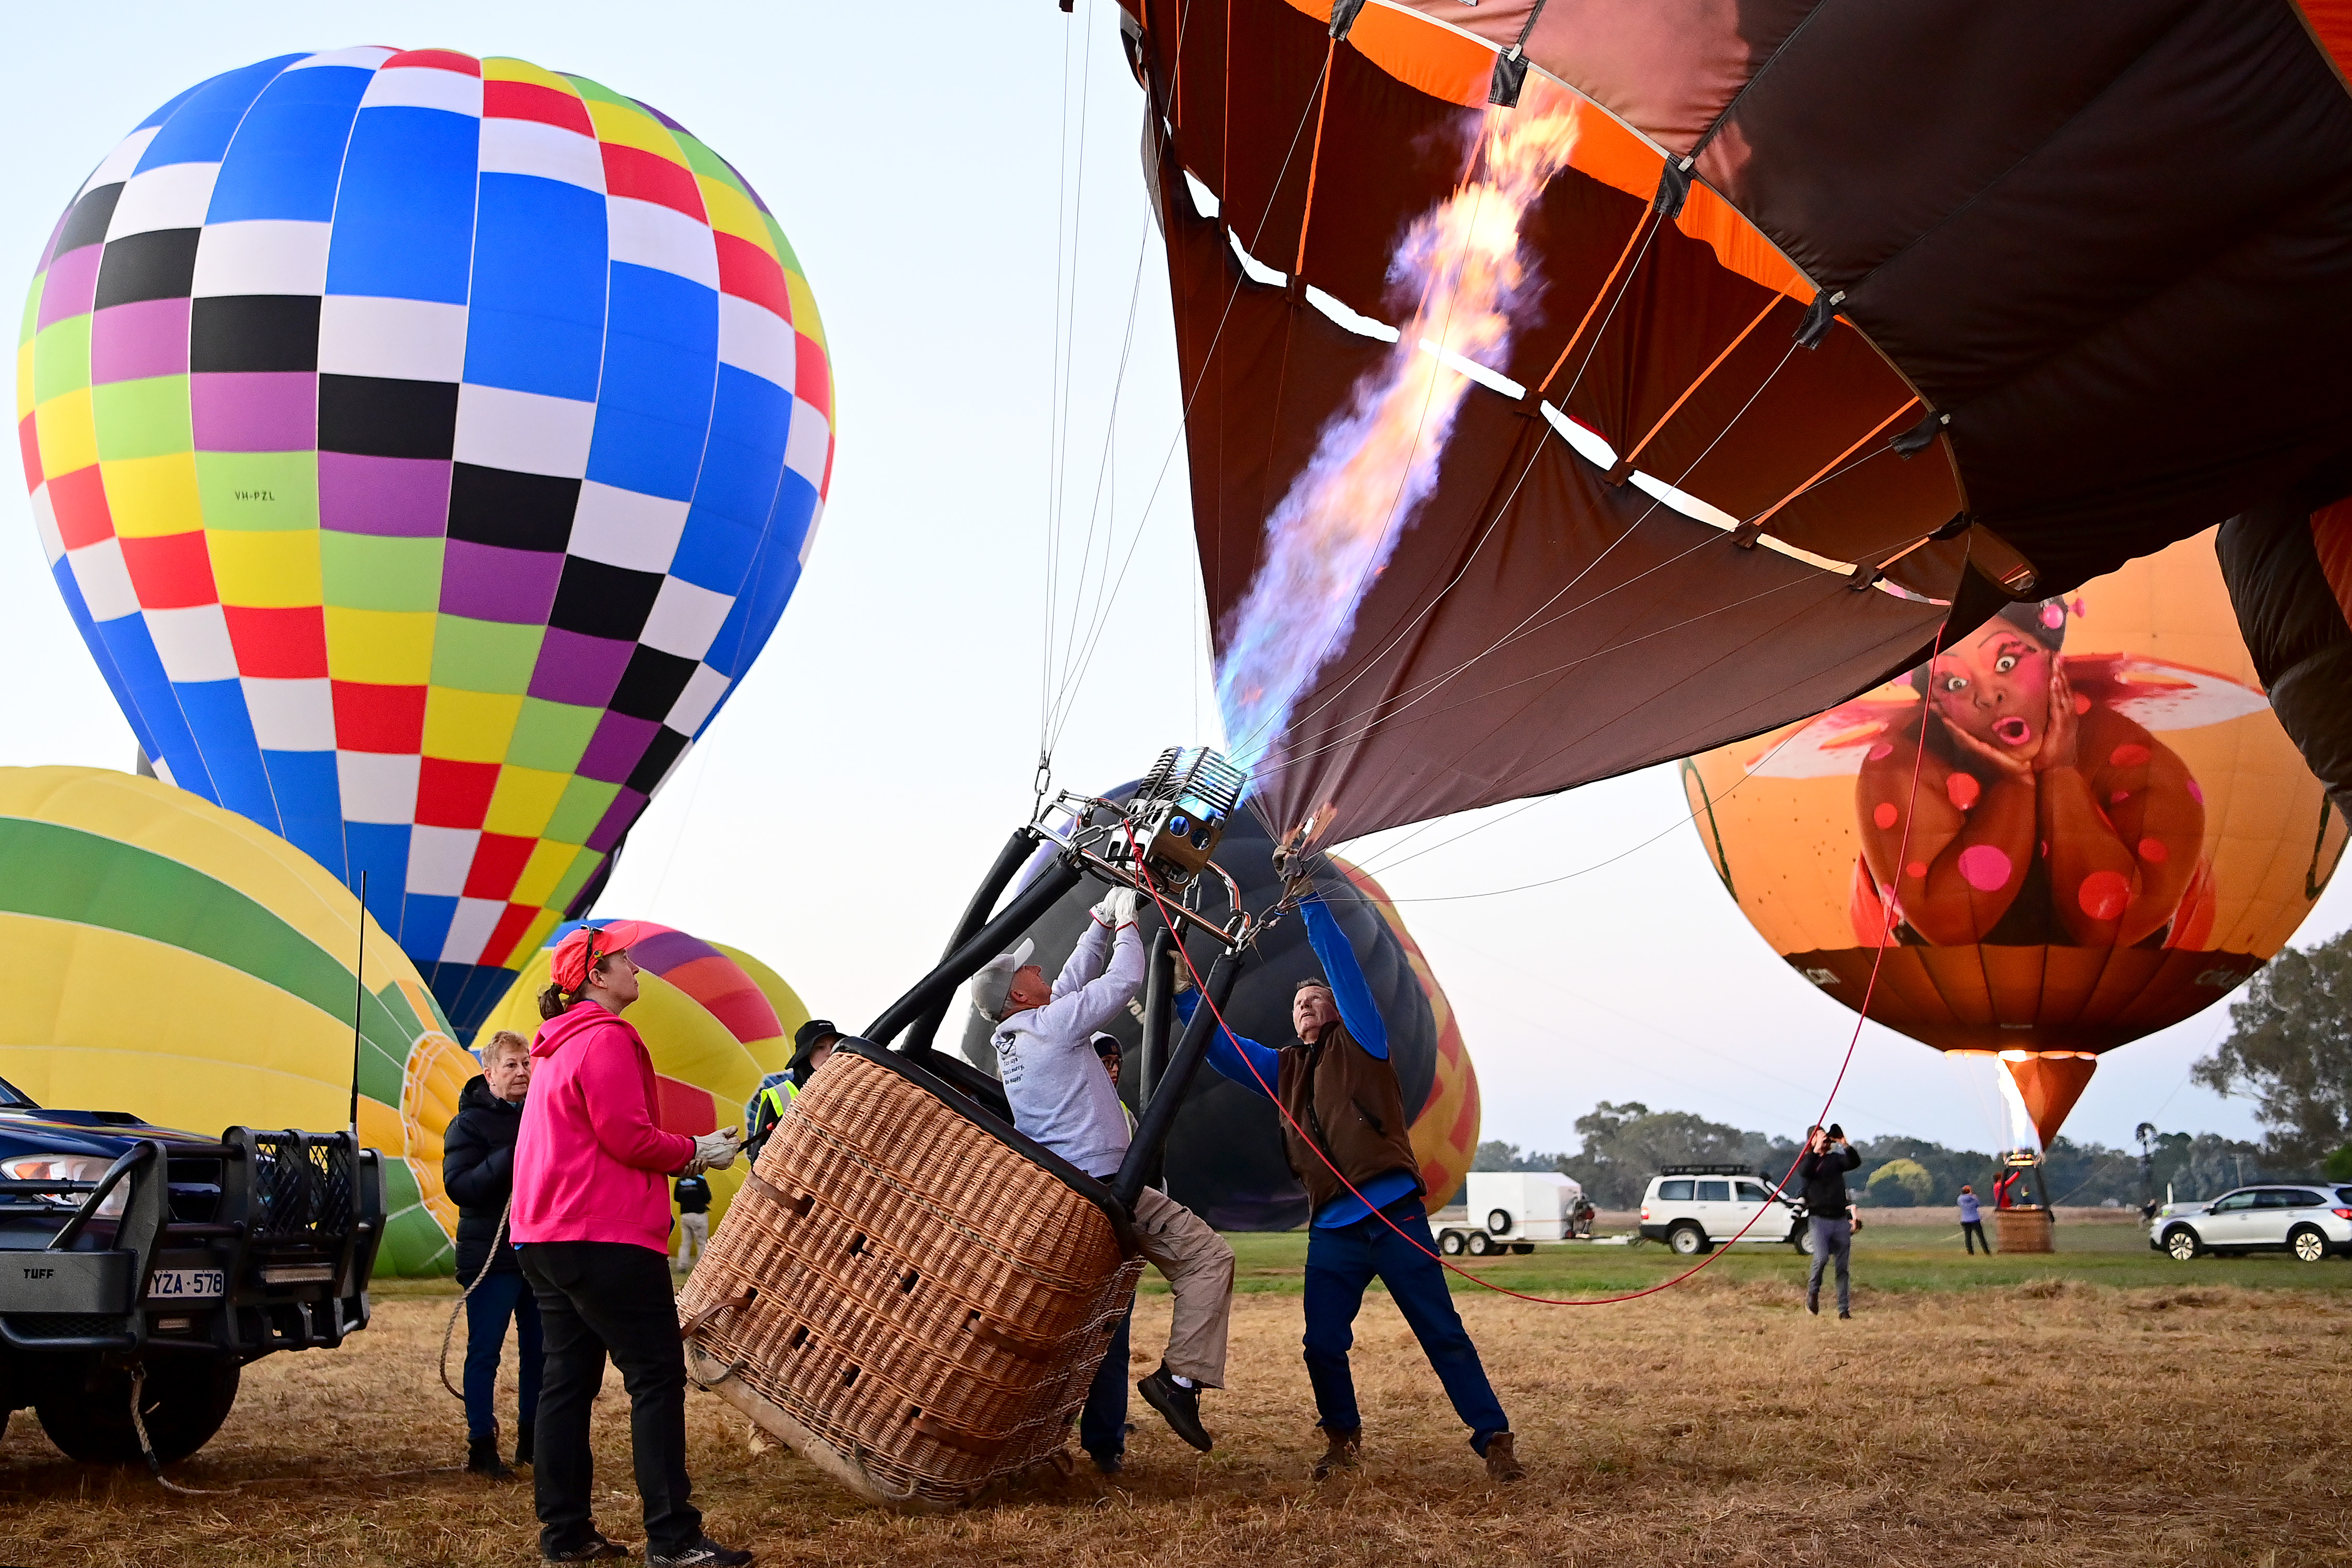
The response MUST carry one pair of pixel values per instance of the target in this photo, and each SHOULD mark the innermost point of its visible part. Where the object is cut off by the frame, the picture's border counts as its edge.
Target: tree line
(1623, 1145)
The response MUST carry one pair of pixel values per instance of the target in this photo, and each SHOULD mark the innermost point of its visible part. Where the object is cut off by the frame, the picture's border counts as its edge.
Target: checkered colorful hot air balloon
(424, 446)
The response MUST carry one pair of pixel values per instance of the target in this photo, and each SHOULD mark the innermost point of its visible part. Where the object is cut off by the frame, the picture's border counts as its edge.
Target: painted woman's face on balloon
(1994, 686)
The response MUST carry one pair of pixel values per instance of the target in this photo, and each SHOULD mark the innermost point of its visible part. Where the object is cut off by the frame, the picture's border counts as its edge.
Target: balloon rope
(1861, 1016)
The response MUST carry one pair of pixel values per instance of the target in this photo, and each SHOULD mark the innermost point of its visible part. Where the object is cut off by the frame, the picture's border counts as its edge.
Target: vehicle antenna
(359, 1003)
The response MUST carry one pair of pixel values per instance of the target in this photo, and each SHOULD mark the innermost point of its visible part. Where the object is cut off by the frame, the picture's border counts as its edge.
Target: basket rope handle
(988, 1333)
(938, 1431)
(694, 1325)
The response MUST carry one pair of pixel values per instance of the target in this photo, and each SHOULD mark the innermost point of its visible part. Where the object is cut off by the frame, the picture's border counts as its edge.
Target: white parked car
(1510, 1211)
(2311, 1222)
(1696, 1208)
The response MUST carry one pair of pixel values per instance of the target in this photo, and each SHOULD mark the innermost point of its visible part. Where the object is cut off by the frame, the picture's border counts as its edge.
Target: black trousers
(598, 1299)
(1972, 1234)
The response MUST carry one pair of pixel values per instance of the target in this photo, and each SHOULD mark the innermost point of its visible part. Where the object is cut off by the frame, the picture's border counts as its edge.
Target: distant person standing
(1822, 1167)
(693, 1196)
(1972, 1231)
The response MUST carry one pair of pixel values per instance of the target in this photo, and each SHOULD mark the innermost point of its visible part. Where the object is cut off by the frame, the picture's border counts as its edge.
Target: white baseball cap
(995, 978)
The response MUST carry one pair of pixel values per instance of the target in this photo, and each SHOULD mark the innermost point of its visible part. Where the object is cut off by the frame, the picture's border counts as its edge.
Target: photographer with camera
(1822, 1168)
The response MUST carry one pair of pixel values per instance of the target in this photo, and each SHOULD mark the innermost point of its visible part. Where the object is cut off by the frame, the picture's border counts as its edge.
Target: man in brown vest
(1337, 1084)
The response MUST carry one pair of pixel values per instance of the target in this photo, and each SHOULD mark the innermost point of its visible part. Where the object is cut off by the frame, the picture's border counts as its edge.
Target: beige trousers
(1198, 1268)
(693, 1235)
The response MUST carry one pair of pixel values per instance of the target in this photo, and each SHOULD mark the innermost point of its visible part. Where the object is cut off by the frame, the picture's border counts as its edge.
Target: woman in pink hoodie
(590, 1216)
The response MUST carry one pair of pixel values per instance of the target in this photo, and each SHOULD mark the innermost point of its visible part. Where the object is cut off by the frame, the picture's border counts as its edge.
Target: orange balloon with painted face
(2076, 826)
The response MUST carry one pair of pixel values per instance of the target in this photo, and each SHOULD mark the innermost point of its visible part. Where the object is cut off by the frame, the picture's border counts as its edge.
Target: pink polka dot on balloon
(2103, 895)
(2120, 797)
(1884, 814)
(1916, 868)
(2153, 851)
(1881, 752)
(2127, 756)
(2053, 616)
(1984, 868)
(1962, 790)
(2195, 793)
(2081, 703)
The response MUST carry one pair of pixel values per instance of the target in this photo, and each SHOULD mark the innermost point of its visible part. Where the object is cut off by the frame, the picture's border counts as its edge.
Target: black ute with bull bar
(139, 1262)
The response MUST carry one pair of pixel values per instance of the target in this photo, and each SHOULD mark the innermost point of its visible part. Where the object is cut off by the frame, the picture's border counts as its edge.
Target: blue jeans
(1102, 1424)
(1343, 1260)
(501, 1295)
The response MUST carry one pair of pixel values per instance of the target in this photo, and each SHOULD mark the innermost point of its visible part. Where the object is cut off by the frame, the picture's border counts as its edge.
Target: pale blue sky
(837, 812)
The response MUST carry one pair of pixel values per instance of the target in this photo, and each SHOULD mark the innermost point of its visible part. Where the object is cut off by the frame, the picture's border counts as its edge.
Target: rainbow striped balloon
(424, 446)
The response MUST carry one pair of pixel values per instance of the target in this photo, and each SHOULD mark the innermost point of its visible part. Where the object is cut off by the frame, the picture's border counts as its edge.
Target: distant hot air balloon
(173, 959)
(716, 1021)
(424, 446)
(2110, 831)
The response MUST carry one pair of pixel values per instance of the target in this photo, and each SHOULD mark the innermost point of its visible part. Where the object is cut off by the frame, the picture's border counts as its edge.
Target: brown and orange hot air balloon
(2109, 832)
(1943, 304)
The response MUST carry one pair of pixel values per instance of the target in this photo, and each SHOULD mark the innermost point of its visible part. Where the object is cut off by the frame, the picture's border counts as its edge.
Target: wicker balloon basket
(908, 1292)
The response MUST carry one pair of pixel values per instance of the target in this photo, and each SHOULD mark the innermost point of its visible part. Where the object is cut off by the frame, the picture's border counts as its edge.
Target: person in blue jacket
(1972, 1231)
(1338, 1084)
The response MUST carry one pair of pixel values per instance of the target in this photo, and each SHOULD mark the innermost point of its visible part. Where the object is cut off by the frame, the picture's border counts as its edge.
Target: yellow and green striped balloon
(173, 959)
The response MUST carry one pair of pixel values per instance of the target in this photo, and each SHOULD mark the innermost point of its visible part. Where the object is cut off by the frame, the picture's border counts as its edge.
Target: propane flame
(1376, 462)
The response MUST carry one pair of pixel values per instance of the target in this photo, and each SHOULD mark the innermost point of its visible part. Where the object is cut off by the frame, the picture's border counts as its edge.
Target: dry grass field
(2054, 1422)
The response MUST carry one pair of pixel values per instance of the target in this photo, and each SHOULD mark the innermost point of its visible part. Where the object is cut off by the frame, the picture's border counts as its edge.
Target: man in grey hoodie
(1061, 1098)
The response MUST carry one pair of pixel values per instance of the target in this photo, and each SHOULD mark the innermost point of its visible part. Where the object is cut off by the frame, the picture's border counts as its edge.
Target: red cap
(579, 951)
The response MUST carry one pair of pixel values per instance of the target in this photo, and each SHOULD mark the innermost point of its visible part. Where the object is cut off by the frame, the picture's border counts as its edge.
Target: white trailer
(1510, 1211)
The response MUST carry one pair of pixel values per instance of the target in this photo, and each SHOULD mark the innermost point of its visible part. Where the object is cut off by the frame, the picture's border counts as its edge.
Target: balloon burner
(1176, 817)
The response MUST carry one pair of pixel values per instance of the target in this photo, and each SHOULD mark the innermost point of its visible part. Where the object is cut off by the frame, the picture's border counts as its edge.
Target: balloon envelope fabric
(424, 446)
(716, 1023)
(173, 959)
(2073, 877)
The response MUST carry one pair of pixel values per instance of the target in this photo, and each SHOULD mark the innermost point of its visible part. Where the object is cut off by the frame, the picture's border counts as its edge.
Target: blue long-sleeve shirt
(1258, 1068)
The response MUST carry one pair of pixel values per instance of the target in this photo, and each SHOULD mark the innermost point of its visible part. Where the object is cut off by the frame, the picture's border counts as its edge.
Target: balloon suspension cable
(1146, 885)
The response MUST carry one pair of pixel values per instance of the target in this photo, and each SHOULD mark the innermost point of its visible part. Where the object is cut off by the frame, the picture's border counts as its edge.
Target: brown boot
(1347, 1448)
(1503, 1459)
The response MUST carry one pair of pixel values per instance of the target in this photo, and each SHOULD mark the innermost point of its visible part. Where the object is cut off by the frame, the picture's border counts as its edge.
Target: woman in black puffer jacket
(477, 1171)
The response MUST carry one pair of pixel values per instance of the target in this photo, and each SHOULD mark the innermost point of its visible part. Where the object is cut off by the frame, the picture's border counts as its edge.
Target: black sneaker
(1178, 1406)
(482, 1459)
(595, 1549)
(704, 1553)
(1813, 1305)
(1108, 1462)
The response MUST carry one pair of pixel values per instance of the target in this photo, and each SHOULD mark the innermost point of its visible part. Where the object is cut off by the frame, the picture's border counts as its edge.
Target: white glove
(716, 1150)
(1122, 905)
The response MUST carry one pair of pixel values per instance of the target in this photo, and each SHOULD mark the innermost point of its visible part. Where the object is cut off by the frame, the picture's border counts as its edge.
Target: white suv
(1692, 1208)
(2311, 1223)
